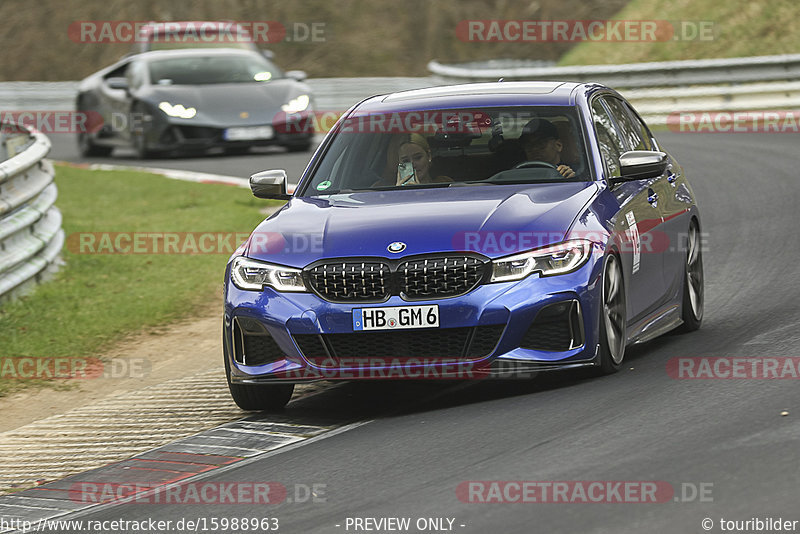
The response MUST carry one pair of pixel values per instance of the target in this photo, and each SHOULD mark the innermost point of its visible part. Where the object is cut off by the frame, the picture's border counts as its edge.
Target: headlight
(296, 105)
(177, 110)
(561, 258)
(252, 275)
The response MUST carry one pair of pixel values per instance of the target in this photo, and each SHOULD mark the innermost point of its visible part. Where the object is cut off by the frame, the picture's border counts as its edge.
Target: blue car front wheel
(266, 397)
(612, 316)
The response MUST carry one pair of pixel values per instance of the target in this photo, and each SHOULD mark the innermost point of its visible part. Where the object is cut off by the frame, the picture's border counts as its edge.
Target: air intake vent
(557, 327)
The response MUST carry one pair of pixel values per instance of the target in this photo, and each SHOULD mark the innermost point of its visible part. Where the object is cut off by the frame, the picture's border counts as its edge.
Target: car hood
(491, 220)
(229, 104)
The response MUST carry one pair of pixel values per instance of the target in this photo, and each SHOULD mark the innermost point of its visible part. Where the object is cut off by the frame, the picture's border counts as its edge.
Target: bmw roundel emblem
(397, 246)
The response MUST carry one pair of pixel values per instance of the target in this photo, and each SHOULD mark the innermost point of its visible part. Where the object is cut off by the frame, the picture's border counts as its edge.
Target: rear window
(177, 45)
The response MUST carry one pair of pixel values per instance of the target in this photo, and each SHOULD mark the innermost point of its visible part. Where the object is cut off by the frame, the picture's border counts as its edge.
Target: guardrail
(656, 104)
(659, 88)
(31, 237)
(654, 74)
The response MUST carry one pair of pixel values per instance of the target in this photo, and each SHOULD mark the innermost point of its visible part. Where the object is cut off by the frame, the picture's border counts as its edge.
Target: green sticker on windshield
(324, 185)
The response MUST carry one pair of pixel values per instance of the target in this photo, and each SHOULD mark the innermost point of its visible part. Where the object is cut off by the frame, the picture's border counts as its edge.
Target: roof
(476, 94)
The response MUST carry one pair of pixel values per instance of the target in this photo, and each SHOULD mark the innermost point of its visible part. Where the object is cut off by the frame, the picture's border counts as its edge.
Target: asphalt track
(64, 148)
(420, 441)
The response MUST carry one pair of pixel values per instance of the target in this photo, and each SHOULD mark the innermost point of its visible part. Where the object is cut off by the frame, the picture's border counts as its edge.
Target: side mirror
(642, 164)
(269, 184)
(117, 83)
(299, 75)
(269, 54)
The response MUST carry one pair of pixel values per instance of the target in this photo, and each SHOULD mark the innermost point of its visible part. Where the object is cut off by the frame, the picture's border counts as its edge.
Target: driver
(541, 142)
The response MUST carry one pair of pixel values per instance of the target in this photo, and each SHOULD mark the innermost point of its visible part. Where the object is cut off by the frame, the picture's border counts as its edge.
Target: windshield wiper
(517, 182)
(410, 186)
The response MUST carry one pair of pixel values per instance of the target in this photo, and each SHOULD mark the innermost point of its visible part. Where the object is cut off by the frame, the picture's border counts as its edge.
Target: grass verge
(738, 29)
(96, 299)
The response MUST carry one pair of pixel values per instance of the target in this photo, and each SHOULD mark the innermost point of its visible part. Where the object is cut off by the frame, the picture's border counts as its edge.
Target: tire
(693, 284)
(237, 150)
(86, 146)
(139, 139)
(613, 328)
(303, 147)
(88, 149)
(268, 397)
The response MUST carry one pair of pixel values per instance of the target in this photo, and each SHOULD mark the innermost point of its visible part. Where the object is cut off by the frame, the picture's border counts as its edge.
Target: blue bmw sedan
(469, 231)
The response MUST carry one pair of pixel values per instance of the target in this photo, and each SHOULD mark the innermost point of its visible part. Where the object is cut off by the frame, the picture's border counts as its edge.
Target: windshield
(458, 147)
(201, 70)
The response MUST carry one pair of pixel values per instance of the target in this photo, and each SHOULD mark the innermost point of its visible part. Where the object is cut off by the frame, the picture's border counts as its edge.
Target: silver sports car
(195, 99)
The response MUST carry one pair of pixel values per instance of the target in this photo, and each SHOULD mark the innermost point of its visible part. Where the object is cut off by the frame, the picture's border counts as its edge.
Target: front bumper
(512, 329)
(176, 134)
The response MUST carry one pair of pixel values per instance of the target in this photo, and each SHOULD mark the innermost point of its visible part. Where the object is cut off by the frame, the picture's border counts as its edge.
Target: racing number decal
(633, 236)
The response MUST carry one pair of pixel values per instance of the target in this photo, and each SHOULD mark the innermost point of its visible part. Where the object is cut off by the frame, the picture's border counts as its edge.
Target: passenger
(414, 149)
(541, 142)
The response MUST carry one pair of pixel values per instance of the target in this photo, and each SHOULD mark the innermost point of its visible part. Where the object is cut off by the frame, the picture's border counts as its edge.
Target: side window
(642, 128)
(631, 132)
(119, 72)
(607, 137)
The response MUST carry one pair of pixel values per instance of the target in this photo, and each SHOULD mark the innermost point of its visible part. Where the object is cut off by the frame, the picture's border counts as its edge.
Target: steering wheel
(529, 164)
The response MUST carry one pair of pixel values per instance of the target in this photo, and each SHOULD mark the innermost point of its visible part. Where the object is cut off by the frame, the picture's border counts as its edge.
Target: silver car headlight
(560, 258)
(177, 110)
(297, 104)
(252, 275)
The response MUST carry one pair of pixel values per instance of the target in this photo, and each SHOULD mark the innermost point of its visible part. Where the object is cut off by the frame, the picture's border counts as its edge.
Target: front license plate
(396, 317)
(248, 133)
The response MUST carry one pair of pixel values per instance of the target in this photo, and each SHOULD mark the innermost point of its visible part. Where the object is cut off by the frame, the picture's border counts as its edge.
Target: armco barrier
(652, 74)
(31, 237)
(657, 89)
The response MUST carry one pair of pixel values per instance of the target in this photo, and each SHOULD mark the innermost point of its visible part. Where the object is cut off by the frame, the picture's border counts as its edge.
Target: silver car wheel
(694, 272)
